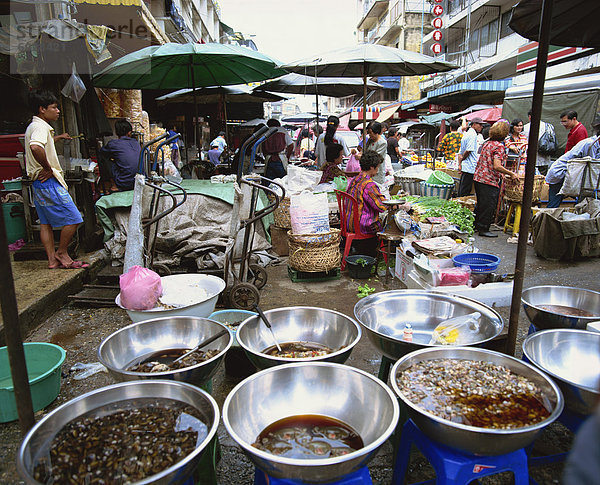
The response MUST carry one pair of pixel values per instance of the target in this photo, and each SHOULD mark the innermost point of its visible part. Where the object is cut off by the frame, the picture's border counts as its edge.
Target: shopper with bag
(278, 148)
(546, 144)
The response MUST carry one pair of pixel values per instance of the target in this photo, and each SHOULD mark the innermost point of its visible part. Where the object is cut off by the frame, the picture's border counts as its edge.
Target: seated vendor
(214, 154)
(333, 157)
(370, 203)
(119, 159)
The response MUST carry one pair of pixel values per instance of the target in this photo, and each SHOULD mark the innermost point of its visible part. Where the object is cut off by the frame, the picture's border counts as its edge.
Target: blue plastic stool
(453, 467)
(360, 477)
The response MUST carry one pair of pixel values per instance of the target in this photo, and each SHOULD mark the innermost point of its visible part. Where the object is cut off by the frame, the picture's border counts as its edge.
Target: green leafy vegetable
(363, 262)
(365, 290)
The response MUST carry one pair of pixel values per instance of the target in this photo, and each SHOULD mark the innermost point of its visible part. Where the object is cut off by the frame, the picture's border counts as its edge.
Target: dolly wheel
(244, 296)
(259, 274)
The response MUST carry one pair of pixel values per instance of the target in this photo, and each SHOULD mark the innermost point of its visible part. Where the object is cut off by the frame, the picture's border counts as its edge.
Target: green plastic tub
(440, 178)
(44, 362)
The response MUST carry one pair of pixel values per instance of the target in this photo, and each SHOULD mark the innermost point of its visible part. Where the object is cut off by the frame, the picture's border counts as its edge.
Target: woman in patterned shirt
(516, 142)
(487, 178)
(450, 143)
(370, 202)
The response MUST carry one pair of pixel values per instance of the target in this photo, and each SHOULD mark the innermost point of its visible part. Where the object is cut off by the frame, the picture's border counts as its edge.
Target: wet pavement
(80, 331)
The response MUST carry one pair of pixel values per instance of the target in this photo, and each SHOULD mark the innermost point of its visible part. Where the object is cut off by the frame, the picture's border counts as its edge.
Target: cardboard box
(404, 265)
(491, 294)
(279, 240)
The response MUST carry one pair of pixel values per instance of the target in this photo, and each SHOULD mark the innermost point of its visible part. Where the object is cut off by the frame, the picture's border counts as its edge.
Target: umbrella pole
(536, 114)
(225, 116)
(317, 96)
(364, 128)
(14, 342)
(195, 121)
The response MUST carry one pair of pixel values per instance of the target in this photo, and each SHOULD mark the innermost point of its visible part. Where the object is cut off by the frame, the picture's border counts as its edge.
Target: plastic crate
(478, 262)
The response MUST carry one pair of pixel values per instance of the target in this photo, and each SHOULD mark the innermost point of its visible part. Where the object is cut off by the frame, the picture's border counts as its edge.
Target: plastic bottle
(407, 335)
(471, 245)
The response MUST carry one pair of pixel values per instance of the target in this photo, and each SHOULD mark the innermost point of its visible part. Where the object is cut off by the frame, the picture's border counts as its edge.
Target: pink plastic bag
(140, 288)
(353, 164)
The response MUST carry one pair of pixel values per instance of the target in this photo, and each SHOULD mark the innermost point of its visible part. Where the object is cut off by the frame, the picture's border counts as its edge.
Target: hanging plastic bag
(140, 288)
(461, 330)
(74, 88)
(353, 164)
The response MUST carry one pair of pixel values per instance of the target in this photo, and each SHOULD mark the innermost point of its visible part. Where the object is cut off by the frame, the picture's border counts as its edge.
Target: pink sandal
(75, 265)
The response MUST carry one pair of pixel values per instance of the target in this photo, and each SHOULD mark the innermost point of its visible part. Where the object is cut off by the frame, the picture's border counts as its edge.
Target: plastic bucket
(44, 362)
(14, 221)
(440, 178)
(360, 266)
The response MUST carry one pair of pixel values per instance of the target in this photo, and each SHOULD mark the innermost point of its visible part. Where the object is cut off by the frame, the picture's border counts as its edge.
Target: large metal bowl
(39, 437)
(472, 439)
(572, 358)
(384, 316)
(579, 298)
(335, 390)
(213, 285)
(132, 343)
(298, 324)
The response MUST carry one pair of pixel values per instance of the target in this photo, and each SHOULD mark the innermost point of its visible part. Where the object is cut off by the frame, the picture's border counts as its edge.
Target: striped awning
(491, 85)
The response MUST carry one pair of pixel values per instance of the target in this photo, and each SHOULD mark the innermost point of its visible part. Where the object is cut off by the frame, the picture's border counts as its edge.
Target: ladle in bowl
(268, 324)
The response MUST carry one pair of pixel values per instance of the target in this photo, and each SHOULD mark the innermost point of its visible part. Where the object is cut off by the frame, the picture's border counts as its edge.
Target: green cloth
(224, 192)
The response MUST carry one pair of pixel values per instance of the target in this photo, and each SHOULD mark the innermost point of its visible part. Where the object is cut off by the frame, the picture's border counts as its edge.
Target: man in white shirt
(468, 156)
(219, 141)
(542, 161)
(52, 201)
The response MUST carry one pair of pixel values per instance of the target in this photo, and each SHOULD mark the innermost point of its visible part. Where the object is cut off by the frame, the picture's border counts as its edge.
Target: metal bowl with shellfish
(160, 342)
(572, 358)
(384, 316)
(560, 306)
(313, 390)
(476, 400)
(303, 333)
(78, 442)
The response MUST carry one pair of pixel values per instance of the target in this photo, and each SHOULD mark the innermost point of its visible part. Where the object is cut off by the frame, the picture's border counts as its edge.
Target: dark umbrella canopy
(216, 94)
(337, 87)
(368, 60)
(179, 66)
(574, 22)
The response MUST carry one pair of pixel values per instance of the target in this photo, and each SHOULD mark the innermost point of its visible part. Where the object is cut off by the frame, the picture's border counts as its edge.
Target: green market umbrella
(368, 60)
(181, 66)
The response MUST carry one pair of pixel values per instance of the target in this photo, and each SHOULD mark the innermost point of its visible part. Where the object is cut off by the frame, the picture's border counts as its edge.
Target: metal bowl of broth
(572, 358)
(550, 307)
(317, 334)
(469, 438)
(164, 339)
(384, 315)
(317, 391)
(191, 408)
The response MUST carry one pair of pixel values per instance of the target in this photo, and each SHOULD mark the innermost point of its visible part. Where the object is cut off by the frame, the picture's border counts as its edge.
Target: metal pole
(536, 114)
(194, 122)
(364, 128)
(422, 23)
(14, 342)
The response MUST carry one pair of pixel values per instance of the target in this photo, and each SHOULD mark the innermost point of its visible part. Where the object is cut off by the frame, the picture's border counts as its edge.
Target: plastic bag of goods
(140, 288)
(300, 179)
(309, 213)
(455, 276)
(461, 330)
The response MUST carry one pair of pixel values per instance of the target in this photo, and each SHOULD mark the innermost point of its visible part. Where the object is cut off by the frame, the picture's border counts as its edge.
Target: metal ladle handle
(209, 340)
(268, 324)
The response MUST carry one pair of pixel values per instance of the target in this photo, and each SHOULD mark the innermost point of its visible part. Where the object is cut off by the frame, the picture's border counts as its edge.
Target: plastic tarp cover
(584, 102)
(554, 238)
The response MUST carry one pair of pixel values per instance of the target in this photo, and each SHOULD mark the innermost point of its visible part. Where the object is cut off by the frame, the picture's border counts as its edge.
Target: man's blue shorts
(54, 204)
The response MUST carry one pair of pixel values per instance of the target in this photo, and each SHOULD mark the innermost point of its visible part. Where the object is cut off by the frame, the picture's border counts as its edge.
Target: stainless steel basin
(131, 343)
(572, 358)
(580, 298)
(384, 315)
(299, 324)
(38, 439)
(472, 439)
(335, 390)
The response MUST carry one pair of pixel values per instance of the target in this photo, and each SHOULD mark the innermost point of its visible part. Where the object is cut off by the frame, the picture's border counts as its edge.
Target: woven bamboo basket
(314, 252)
(282, 214)
(513, 189)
